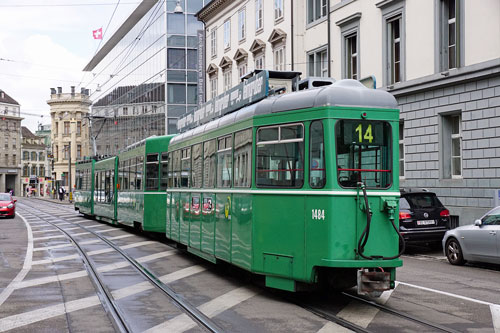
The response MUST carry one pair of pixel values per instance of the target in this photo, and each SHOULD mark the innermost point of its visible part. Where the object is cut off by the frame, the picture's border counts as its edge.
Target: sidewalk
(64, 202)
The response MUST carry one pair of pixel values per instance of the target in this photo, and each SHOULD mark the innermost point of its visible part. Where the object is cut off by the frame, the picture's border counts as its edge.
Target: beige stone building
(70, 132)
(10, 144)
(35, 176)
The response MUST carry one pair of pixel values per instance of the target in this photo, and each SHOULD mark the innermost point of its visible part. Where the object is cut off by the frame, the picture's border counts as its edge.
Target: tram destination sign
(247, 92)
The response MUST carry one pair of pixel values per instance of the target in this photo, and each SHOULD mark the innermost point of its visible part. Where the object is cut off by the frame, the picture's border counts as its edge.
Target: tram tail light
(404, 216)
(444, 213)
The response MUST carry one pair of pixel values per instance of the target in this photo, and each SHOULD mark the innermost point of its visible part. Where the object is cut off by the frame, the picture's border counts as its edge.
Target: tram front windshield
(364, 153)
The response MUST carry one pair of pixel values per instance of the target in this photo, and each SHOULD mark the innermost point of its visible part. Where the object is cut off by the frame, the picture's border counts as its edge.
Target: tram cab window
(164, 171)
(224, 161)
(209, 164)
(317, 174)
(364, 153)
(280, 156)
(197, 163)
(185, 167)
(152, 173)
(243, 158)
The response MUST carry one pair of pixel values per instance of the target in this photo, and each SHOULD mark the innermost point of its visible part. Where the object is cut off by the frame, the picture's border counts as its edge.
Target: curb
(54, 201)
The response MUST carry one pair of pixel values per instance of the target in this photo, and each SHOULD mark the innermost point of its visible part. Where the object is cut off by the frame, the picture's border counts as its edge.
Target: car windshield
(423, 200)
(4, 197)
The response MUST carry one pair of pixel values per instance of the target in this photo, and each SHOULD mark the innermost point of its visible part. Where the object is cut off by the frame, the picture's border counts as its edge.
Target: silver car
(477, 242)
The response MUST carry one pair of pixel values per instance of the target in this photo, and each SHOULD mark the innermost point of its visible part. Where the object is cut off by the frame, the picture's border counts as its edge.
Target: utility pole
(70, 195)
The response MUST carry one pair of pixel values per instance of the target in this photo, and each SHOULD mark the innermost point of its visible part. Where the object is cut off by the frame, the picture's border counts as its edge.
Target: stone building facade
(10, 144)
(36, 172)
(70, 133)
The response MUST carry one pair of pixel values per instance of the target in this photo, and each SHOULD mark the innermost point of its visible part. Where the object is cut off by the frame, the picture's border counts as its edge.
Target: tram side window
(243, 158)
(140, 172)
(177, 168)
(152, 172)
(364, 153)
(197, 164)
(224, 161)
(280, 156)
(317, 178)
(185, 166)
(132, 173)
(209, 164)
(164, 171)
(96, 187)
(124, 185)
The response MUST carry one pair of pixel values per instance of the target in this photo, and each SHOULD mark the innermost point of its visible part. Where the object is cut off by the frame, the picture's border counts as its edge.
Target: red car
(7, 205)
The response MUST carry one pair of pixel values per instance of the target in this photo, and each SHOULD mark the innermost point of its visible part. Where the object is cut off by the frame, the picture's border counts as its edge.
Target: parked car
(475, 242)
(7, 205)
(422, 217)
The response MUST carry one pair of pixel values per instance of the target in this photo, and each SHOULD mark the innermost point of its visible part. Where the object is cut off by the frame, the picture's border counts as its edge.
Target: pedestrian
(61, 193)
(28, 191)
(11, 192)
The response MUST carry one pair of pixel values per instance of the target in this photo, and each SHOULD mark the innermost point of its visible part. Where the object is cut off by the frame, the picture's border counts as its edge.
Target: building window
(79, 151)
(33, 170)
(279, 58)
(351, 57)
(14, 160)
(451, 146)
(278, 9)
(242, 69)
(33, 156)
(125, 111)
(318, 63)
(394, 49)
(42, 171)
(57, 153)
(25, 171)
(78, 128)
(14, 143)
(242, 24)
(213, 87)
(259, 15)
(227, 79)
(393, 41)
(227, 34)
(41, 156)
(401, 150)
(66, 128)
(56, 128)
(450, 33)
(213, 42)
(66, 152)
(260, 61)
(26, 156)
(316, 9)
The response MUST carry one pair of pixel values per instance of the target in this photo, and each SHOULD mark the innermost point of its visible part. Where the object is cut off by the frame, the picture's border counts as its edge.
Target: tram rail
(117, 317)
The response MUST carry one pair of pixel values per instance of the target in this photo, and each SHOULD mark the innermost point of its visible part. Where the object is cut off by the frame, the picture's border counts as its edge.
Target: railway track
(116, 315)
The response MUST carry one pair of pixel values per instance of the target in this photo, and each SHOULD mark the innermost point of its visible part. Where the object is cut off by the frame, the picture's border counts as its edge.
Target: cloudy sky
(47, 43)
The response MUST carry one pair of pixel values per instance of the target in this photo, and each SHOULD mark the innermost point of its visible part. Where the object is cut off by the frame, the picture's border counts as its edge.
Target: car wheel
(454, 252)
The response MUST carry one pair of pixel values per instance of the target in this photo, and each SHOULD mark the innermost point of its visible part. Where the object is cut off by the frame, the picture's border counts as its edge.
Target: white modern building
(439, 58)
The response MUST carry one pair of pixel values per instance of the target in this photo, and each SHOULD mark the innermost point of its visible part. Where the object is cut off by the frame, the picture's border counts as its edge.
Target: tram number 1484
(318, 214)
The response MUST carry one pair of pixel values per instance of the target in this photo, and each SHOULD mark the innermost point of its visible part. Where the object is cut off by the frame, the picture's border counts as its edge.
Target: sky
(46, 43)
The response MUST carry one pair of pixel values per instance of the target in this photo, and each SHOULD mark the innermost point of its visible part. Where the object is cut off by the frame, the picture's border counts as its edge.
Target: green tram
(301, 188)
(127, 188)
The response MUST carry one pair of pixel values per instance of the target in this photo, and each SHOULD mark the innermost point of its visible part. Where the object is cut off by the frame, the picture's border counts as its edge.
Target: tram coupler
(373, 283)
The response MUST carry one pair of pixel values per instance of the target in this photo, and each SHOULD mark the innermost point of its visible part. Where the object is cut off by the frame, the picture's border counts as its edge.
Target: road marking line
(30, 317)
(183, 322)
(26, 266)
(333, 328)
(34, 316)
(168, 278)
(495, 315)
(494, 308)
(44, 231)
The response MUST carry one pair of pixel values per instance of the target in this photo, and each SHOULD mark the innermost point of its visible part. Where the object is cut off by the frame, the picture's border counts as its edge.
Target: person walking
(61, 193)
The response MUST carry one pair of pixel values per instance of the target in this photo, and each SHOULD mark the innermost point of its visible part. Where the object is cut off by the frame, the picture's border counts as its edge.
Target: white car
(476, 242)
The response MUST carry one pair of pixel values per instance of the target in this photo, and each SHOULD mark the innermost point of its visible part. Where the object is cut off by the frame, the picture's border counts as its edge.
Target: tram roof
(349, 93)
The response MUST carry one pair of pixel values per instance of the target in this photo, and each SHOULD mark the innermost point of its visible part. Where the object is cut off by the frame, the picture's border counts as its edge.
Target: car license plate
(426, 222)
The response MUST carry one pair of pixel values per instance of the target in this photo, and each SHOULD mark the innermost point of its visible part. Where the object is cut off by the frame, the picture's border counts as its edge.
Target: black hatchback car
(422, 217)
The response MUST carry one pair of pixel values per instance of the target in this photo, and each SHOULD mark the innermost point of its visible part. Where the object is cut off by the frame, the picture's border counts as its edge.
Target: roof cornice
(212, 9)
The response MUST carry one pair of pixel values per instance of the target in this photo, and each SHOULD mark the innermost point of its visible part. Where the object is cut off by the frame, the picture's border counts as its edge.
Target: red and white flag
(97, 33)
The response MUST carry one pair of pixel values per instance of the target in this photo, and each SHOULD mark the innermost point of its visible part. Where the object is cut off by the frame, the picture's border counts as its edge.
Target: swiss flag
(97, 33)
